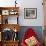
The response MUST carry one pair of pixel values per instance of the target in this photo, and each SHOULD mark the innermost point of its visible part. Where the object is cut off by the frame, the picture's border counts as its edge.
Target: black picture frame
(30, 13)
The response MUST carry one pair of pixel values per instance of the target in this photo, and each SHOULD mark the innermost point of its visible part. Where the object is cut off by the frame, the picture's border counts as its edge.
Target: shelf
(7, 23)
(9, 10)
(9, 19)
(10, 26)
(2, 8)
(11, 41)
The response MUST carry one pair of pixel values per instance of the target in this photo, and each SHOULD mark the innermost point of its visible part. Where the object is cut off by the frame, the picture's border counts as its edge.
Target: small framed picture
(30, 13)
(5, 12)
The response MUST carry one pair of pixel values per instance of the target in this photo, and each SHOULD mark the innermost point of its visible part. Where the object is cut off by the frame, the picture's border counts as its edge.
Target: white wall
(27, 4)
(32, 4)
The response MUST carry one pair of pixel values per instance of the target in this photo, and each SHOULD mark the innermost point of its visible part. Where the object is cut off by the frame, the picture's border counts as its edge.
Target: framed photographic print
(30, 13)
(5, 12)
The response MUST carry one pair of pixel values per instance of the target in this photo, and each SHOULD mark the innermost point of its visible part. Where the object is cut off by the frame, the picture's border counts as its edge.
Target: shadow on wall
(37, 29)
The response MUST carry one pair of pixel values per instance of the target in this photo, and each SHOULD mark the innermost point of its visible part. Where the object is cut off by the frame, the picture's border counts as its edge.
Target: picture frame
(30, 13)
(5, 12)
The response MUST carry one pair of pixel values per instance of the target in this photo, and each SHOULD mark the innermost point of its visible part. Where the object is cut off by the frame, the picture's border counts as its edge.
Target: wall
(27, 4)
(32, 4)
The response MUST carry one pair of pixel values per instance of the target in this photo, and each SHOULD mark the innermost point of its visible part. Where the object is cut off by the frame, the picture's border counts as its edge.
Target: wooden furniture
(11, 26)
(10, 43)
(5, 12)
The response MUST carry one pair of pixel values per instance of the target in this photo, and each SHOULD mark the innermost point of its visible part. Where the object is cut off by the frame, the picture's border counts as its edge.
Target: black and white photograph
(30, 13)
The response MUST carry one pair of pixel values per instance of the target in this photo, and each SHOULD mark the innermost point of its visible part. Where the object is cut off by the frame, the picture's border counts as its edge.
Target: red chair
(29, 33)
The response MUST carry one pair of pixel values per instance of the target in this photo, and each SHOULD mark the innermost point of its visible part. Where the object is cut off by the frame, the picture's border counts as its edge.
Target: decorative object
(13, 12)
(30, 13)
(6, 21)
(7, 34)
(15, 30)
(15, 37)
(5, 12)
(15, 3)
(31, 41)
